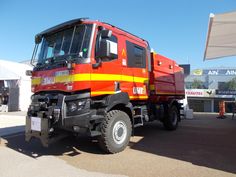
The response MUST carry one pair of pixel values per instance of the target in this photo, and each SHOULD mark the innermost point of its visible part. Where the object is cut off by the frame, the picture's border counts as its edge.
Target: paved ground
(12, 122)
(204, 146)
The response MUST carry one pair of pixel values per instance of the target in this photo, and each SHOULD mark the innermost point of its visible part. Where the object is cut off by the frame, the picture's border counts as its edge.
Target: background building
(206, 87)
(15, 86)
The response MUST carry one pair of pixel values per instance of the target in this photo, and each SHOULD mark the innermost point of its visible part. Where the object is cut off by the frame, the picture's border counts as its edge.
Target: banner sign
(226, 92)
(215, 72)
(200, 92)
(210, 93)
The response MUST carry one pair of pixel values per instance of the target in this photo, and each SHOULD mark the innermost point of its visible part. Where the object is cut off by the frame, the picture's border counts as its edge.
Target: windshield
(71, 43)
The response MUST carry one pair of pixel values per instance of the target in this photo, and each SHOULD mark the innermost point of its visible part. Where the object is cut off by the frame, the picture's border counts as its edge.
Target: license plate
(36, 124)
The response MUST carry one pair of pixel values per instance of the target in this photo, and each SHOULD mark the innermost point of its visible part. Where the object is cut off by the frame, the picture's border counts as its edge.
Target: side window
(113, 43)
(136, 55)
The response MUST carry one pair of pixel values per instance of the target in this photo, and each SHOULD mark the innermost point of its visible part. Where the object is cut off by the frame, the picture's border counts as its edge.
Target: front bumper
(56, 123)
(43, 135)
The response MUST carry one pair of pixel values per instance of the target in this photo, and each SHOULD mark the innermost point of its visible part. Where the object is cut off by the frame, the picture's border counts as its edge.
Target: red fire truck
(95, 79)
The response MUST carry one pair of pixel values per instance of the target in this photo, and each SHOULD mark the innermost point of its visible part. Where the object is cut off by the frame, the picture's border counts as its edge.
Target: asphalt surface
(12, 122)
(204, 146)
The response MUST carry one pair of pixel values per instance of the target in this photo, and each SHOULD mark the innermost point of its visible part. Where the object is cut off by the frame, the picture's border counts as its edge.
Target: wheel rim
(119, 132)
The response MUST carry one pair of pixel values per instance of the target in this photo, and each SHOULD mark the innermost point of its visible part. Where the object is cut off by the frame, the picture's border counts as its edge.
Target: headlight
(81, 103)
(74, 106)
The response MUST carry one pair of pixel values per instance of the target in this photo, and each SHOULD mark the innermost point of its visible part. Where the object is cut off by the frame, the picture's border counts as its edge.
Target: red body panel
(165, 78)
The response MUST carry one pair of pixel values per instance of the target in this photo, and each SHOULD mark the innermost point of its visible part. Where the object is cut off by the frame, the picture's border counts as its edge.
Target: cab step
(138, 117)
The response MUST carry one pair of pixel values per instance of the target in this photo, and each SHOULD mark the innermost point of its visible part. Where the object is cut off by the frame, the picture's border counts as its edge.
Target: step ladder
(138, 117)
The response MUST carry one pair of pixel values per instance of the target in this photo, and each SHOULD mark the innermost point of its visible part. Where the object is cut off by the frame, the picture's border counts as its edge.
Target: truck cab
(93, 78)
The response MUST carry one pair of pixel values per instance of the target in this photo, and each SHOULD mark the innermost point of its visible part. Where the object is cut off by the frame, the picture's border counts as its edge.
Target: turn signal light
(70, 65)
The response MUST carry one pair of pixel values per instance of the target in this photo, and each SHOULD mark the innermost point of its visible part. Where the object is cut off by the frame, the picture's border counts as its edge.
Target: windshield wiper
(56, 61)
(39, 66)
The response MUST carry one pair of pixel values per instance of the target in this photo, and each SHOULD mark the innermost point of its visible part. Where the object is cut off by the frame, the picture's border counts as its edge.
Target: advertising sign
(215, 72)
(210, 93)
(200, 92)
(197, 72)
(226, 92)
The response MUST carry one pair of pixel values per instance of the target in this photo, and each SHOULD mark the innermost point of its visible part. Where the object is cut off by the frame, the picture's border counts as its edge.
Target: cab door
(135, 74)
(105, 77)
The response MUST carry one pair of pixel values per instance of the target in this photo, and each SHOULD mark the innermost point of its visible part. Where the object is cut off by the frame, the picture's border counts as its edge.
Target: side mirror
(28, 73)
(38, 39)
(104, 47)
(107, 49)
(106, 34)
(97, 64)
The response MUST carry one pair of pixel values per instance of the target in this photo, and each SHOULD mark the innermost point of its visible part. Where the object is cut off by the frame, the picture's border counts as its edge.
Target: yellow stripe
(105, 77)
(115, 77)
(72, 78)
(134, 79)
(102, 92)
(112, 92)
(138, 97)
(36, 81)
(94, 77)
(65, 78)
(81, 77)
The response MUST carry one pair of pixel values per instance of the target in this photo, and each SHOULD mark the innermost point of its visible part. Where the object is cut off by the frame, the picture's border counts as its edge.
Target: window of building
(222, 86)
(1, 84)
(196, 84)
(136, 55)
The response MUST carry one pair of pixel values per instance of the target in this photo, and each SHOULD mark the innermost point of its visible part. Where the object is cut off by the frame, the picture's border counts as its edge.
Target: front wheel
(116, 132)
(171, 119)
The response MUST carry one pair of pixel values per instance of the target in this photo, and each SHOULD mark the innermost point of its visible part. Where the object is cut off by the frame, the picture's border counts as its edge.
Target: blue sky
(176, 29)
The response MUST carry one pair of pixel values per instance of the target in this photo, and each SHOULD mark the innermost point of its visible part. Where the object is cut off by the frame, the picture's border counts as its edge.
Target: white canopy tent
(221, 37)
(12, 72)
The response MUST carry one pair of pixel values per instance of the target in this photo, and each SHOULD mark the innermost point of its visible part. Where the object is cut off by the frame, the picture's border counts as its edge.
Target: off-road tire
(107, 140)
(170, 121)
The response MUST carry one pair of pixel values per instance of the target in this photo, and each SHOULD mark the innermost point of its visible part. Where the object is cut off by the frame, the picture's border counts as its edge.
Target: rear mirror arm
(97, 64)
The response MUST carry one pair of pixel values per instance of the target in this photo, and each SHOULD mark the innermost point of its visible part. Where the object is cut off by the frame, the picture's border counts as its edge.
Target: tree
(197, 84)
(231, 85)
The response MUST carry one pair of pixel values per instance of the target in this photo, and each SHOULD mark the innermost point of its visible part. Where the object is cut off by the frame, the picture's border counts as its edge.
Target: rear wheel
(116, 132)
(171, 119)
